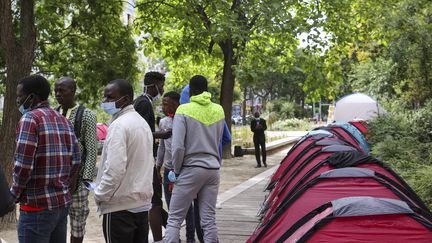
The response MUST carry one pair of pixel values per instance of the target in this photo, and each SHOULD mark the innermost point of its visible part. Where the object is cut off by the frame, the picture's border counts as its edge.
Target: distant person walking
(124, 190)
(258, 126)
(84, 122)
(47, 158)
(197, 132)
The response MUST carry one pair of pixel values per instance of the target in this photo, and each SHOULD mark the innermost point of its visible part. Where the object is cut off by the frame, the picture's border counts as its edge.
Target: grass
(243, 136)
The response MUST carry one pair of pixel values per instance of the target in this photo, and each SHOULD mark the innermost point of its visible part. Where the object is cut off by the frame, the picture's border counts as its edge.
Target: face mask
(158, 94)
(22, 109)
(110, 107)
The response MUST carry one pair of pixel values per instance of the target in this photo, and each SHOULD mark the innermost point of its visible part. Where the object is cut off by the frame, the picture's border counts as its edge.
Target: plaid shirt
(46, 157)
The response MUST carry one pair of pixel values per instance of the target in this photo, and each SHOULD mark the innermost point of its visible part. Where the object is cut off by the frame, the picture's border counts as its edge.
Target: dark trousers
(260, 142)
(199, 231)
(124, 226)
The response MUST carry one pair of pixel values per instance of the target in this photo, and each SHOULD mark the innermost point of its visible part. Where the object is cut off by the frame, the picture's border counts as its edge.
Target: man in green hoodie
(197, 131)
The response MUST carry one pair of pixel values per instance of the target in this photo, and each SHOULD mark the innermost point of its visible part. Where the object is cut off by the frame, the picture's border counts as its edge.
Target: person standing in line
(197, 132)
(84, 122)
(258, 126)
(153, 88)
(170, 102)
(123, 186)
(226, 139)
(47, 158)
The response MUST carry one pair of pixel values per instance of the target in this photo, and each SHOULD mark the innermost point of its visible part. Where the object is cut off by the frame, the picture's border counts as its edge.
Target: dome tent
(356, 106)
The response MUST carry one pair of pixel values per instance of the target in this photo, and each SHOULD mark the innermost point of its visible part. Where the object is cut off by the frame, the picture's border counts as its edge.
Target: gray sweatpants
(194, 182)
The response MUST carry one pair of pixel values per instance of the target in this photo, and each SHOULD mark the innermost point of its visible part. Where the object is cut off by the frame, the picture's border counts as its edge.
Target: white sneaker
(218, 205)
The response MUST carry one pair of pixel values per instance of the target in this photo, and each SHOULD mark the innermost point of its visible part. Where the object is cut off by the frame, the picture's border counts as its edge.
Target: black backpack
(78, 120)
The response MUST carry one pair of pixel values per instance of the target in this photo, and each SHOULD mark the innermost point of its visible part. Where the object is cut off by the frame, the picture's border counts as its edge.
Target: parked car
(236, 120)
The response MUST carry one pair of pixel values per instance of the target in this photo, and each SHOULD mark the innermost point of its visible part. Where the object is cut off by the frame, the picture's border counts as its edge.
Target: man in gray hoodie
(197, 131)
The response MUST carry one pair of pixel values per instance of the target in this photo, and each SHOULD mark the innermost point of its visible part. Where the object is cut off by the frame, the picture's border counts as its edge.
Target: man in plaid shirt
(47, 156)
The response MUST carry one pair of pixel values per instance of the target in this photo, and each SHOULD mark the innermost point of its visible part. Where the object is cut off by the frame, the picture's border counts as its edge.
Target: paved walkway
(236, 220)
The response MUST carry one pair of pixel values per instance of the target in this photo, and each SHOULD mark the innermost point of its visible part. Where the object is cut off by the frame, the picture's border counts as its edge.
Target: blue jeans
(46, 226)
(190, 221)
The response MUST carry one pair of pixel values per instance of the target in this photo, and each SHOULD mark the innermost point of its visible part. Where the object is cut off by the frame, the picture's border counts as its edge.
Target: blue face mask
(110, 107)
(22, 109)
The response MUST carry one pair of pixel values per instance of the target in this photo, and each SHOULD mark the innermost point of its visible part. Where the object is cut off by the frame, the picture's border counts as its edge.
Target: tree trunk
(18, 52)
(244, 106)
(227, 87)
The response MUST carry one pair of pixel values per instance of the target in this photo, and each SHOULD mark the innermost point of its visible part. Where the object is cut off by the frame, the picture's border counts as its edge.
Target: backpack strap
(78, 120)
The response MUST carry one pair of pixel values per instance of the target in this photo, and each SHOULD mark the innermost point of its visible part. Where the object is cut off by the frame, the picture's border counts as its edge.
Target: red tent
(328, 186)
(361, 219)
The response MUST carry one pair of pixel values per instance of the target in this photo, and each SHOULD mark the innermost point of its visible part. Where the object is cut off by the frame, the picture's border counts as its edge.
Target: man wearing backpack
(84, 123)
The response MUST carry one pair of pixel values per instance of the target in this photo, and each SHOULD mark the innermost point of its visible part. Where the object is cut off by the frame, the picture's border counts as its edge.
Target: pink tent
(102, 130)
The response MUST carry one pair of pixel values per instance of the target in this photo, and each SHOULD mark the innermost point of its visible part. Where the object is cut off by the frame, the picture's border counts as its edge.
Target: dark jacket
(258, 126)
(7, 202)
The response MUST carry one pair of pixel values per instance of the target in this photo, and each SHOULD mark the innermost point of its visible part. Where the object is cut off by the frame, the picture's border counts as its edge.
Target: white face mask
(110, 107)
(158, 94)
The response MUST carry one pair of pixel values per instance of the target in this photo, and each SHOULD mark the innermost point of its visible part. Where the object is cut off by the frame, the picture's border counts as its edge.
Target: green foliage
(403, 139)
(87, 41)
(283, 109)
(292, 124)
(374, 77)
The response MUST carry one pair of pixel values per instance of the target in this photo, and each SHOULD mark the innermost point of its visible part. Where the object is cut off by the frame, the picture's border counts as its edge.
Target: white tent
(356, 106)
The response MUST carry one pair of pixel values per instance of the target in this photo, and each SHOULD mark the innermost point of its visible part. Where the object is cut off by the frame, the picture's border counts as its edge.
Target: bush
(293, 124)
(284, 109)
(403, 140)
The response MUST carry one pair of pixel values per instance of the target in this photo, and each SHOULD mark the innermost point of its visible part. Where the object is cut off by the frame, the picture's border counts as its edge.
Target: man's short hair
(153, 78)
(173, 95)
(37, 85)
(198, 84)
(70, 81)
(124, 87)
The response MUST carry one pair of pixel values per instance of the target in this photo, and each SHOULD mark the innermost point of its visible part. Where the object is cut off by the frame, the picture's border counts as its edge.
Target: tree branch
(207, 24)
(203, 16)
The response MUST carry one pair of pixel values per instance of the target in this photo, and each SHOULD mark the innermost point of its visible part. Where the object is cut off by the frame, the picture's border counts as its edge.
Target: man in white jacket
(124, 181)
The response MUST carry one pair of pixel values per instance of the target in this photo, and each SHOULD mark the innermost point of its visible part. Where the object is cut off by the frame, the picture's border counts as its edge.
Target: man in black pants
(258, 126)
(153, 89)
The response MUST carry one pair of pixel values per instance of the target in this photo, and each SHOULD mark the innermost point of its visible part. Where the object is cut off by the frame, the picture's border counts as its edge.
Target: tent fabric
(315, 194)
(374, 228)
(345, 135)
(356, 106)
(347, 172)
(299, 150)
(102, 131)
(356, 133)
(361, 206)
(361, 125)
(312, 168)
(383, 210)
(329, 189)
